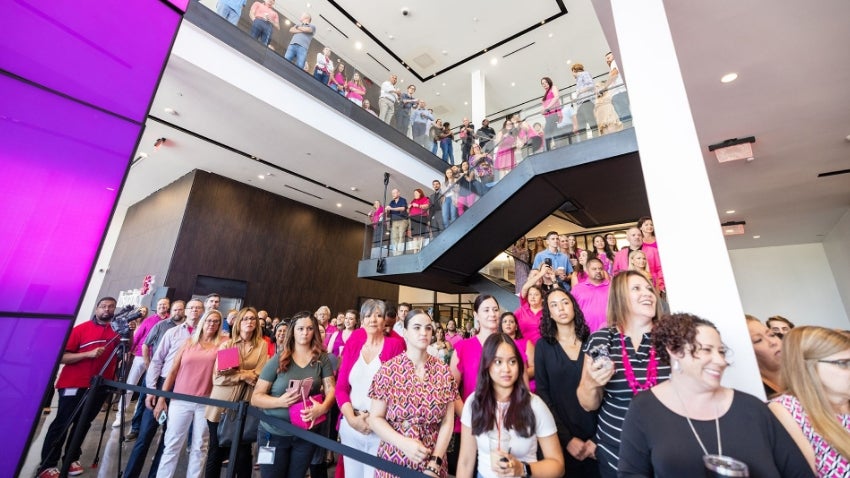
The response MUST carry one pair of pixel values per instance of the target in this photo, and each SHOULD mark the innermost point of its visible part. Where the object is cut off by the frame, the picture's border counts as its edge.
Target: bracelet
(432, 470)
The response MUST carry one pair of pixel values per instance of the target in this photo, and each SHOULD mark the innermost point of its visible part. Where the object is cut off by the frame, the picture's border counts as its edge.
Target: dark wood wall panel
(147, 238)
(293, 256)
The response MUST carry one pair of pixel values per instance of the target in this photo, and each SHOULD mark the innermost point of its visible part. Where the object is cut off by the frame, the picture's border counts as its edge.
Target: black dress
(557, 377)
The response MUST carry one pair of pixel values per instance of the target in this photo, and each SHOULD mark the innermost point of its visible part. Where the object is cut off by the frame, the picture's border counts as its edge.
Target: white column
(477, 98)
(696, 263)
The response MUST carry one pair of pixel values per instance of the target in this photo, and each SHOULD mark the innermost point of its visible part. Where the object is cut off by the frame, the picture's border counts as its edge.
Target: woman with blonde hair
(191, 374)
(236, 384)
(815, 409)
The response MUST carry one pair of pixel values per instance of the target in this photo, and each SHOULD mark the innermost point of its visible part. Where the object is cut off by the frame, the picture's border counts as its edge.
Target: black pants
(57, 437)
(216, 455)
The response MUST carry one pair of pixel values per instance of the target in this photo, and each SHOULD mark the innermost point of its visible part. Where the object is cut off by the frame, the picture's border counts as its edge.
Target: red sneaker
(76, 469)
(49, 473)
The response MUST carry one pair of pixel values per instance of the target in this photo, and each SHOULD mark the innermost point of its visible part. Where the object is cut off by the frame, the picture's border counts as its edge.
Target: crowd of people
(551, 389)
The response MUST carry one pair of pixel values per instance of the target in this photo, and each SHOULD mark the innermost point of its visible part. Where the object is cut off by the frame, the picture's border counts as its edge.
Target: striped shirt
(617, 394)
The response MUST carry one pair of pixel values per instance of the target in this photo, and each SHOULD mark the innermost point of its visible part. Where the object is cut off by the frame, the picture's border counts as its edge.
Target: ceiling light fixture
(493, 61)
(339, 204)
(513, 83)
(358, 45)
(261, 176)
(734, 149)
(551, 35)
(733, 228)
(756, 237)
(730, 211)
(729, 78)
(170, 111)
(465, 103)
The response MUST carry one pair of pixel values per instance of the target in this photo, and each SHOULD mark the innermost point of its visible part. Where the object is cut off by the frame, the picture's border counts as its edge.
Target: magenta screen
(76, 83)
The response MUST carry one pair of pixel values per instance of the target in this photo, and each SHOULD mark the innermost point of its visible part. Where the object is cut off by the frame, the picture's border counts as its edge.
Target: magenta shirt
(653, 261)
(142, 332)
(593, 302)
(528, 321)
(468, 353)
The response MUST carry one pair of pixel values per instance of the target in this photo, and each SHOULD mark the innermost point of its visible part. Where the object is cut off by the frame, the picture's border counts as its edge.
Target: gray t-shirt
(304, 39)
(319, 370)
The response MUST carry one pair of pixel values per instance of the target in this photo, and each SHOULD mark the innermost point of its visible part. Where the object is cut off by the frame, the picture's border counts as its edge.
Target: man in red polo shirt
(86, 352)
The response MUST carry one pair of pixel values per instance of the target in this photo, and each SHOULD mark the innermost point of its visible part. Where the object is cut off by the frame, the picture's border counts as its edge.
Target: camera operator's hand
(96, 352)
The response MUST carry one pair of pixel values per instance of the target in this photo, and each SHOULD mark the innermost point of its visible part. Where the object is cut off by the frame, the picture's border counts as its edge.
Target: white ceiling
(790, 95)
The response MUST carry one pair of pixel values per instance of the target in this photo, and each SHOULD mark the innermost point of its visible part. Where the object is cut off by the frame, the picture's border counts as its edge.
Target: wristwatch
(526, 470)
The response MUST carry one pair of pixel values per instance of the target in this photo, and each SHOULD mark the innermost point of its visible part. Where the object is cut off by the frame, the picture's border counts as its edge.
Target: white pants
(181, 416)
(133, 376)
(365, 443)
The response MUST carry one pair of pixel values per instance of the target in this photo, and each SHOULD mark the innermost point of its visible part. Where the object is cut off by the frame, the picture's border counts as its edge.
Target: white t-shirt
(618, 86)
(388, 91)
(525, 449)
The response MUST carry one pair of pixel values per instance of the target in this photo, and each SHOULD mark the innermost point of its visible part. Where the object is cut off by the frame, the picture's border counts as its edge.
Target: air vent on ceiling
(518, 49)
(834, 173)
(733, 228)
(303, 192)
(333, 26)
(424, 60)
(440, 110)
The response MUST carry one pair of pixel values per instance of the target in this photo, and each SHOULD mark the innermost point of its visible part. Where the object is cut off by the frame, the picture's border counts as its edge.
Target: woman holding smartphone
(503, 423)
(302, 357)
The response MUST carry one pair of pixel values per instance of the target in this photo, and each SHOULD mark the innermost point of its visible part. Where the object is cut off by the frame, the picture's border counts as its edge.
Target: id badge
(265, 455)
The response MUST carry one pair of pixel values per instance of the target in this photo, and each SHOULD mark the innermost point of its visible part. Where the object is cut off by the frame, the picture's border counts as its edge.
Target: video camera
(121, 321)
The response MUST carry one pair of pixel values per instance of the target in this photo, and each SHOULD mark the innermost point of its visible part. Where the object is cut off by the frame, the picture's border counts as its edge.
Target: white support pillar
(680, 196)
(477, 98)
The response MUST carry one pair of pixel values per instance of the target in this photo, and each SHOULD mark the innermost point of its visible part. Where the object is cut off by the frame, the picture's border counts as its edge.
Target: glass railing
(490, 160)
(536, 131)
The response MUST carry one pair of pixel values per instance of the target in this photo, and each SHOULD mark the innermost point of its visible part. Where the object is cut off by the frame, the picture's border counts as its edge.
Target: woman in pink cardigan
(365, 351)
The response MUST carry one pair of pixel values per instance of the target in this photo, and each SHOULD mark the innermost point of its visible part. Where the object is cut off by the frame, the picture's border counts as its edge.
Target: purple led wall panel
(28, 351)
(181, 4)
(105, 53)
(60, 159)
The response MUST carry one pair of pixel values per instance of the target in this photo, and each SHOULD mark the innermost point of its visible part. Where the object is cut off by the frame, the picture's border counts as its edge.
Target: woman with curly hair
(559, 360)
(303, 356)
(815, 409)
(503, 412)
(690, 422)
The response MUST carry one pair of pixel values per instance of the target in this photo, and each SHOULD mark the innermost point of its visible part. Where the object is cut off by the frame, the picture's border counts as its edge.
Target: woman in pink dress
(506, 140)
(647, 230)
(530, 308)
(337, 78)
(413, 397)
(603, 252)
(355, 90)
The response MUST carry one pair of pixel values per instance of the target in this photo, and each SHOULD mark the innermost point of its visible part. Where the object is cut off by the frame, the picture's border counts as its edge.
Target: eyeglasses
(842, 363)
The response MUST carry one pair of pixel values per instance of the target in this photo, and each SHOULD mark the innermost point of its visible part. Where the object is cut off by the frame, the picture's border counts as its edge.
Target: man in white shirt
(389, 97)
(615, 84)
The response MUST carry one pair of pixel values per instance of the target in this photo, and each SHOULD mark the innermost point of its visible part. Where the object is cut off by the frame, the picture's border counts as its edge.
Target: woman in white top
(324, 66)
(365, 351)
(502, 411)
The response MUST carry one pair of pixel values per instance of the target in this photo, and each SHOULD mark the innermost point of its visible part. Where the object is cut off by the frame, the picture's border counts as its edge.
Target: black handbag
(227, 425)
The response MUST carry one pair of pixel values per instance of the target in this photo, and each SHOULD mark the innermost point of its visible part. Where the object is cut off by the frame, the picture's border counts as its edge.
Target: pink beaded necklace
(651, 369)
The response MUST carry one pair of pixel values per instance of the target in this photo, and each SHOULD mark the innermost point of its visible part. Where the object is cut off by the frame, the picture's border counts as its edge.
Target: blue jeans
(228, 13)
(448, 151)
(322, 76)
(147, 431)
(449, 212)
(297, 54)
(434, 147)
(262, 31)
(291, 458)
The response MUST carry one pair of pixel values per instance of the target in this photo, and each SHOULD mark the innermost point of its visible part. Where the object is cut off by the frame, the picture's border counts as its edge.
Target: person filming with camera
(88, 352)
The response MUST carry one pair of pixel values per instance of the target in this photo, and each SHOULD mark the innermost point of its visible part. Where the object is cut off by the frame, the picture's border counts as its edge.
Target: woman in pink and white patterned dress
(816, 406)
(413, 398)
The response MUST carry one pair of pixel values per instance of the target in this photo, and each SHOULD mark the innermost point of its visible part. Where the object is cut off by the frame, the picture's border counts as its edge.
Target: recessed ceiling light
(261, 176)
(542, 22)
(391, 37)
(308, 5)
(445, 52)
(729, 78)
(494, 60)
(465, 103)
(287, 22)
(730, 211)
(171, 111)
(437, 93)
(339, 204)
(513, 83)
(358, 24)
(143, 154)
(756, 237)
(444, 83)
(354, 188)
(551, 35)
(358, 45)
(569, 62)
(474, 19)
